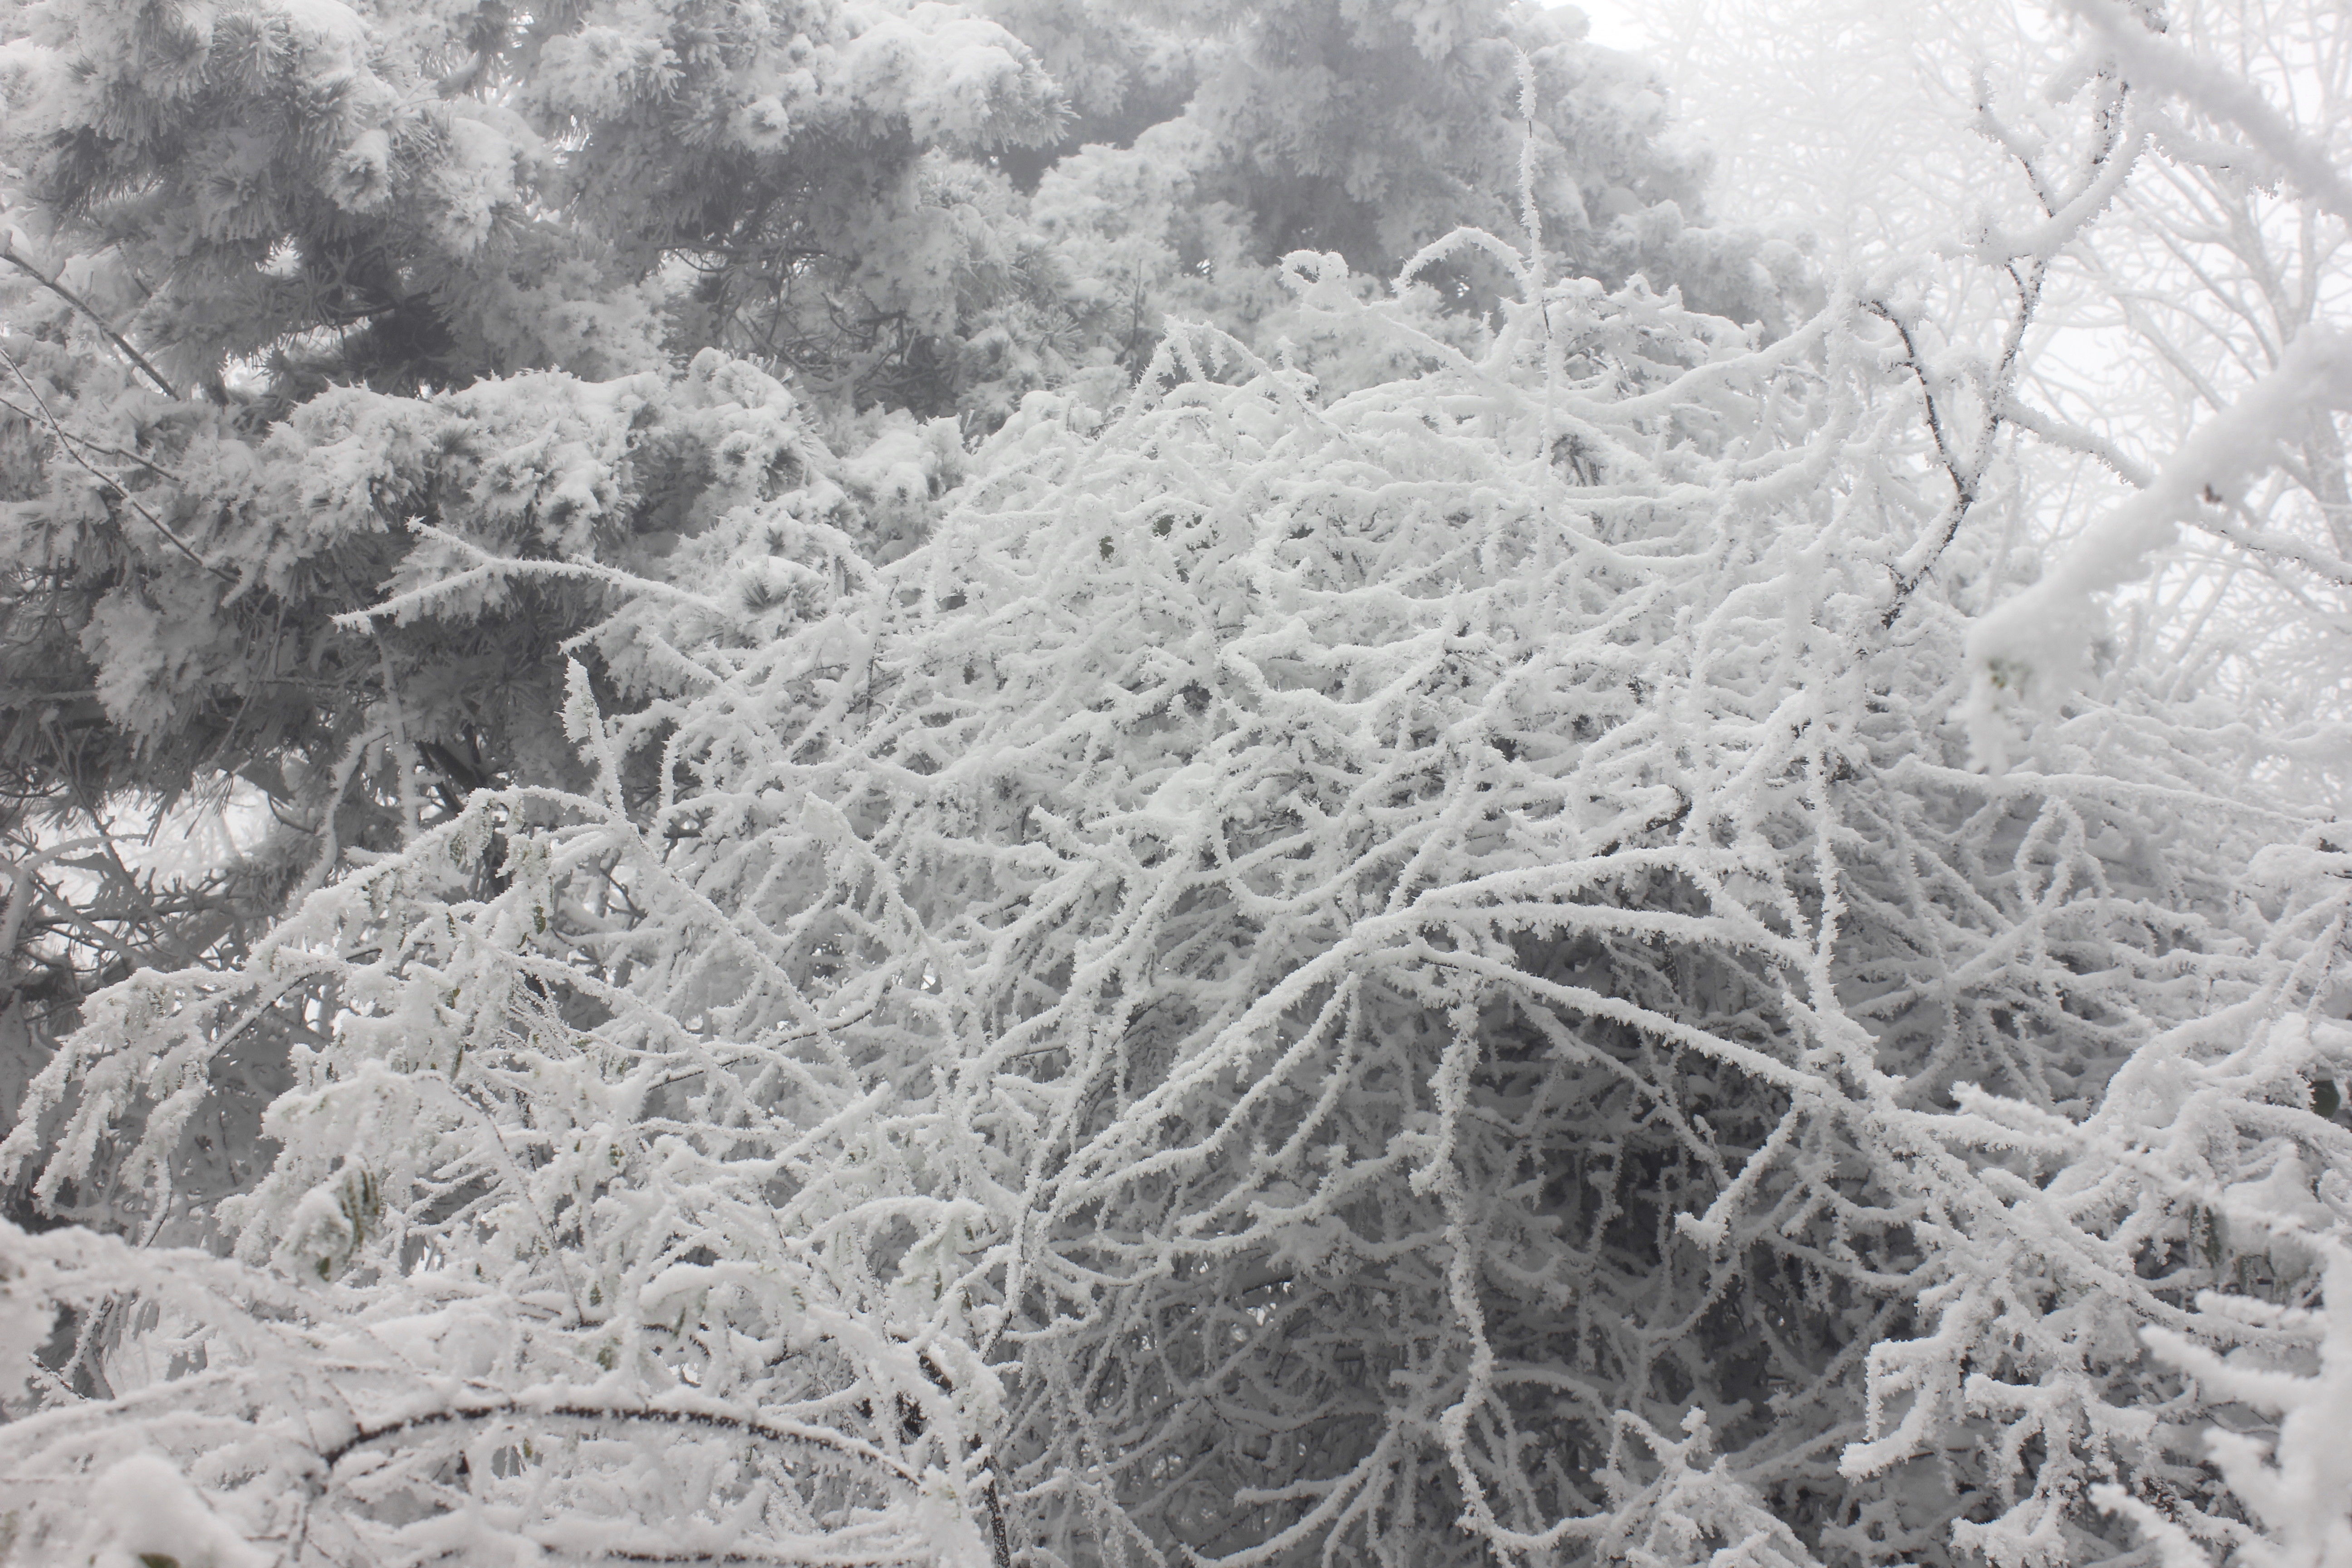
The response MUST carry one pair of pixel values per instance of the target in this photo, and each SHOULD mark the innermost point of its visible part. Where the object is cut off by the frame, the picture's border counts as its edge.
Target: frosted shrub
(1299, 983)
(1411, 973)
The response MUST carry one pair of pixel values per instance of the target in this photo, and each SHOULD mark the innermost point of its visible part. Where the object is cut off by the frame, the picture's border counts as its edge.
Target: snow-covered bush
(1302, 978)
(1408, 972)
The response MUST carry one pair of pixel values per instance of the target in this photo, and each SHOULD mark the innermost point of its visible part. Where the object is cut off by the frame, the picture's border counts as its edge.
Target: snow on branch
(2154, 63)
(1301, 981)
(2037, 640)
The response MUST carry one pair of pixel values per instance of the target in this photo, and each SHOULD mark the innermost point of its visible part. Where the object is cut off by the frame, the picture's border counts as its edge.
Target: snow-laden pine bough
(1408, 975)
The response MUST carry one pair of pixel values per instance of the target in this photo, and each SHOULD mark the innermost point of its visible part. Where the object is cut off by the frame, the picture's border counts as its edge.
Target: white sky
(1614, 21)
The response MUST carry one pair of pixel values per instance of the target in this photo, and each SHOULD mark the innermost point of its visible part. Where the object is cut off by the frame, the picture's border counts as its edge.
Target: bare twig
(8, 252)
(72, 446)
(776, 1432)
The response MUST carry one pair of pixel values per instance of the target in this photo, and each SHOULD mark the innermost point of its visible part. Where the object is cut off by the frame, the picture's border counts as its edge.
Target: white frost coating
(949, 69)
(1291, 971)
(2153, 64)
(331, 23)
(1235, 871)
(2299, 1490)
(480, 177)
(143, 1509)
(26, 1313)
(2036, 643)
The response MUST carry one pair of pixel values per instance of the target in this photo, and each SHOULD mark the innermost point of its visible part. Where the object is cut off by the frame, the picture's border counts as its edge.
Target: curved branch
(708, 1420)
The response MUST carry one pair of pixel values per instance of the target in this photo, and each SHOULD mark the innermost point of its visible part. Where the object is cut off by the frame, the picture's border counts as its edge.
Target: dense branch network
(1395, 950)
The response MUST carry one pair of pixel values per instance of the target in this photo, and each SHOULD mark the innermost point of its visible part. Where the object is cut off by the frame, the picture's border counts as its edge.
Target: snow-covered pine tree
(1411, 971)
(287, 287)
(1371, 131)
